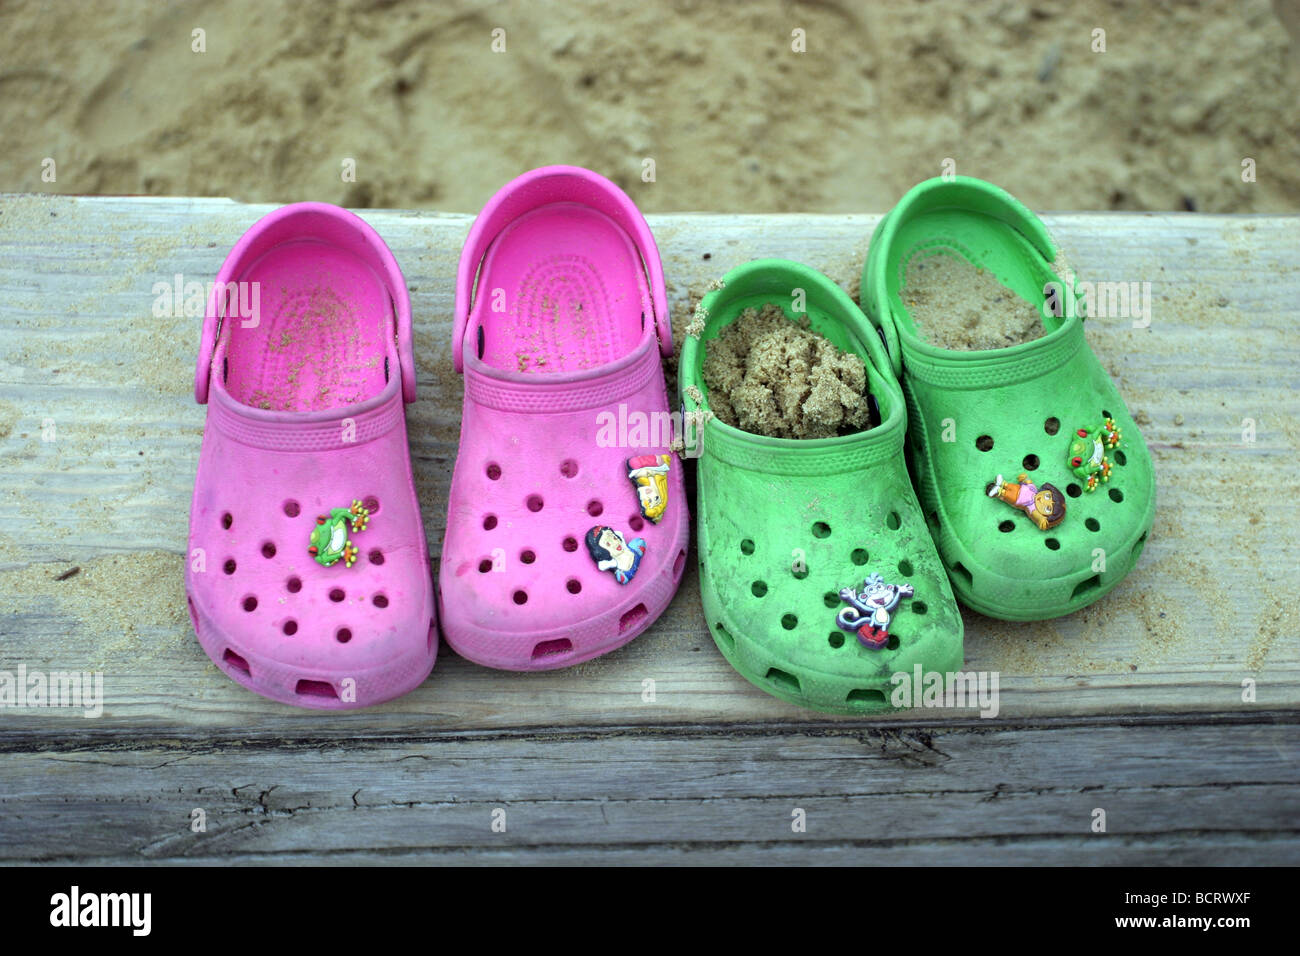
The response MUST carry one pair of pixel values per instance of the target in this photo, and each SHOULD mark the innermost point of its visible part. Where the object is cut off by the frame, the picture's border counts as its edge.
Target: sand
(732, 117)
(768, 375)
(957, 305)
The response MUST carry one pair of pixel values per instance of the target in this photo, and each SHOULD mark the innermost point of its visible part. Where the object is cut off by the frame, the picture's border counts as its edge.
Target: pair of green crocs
(822, 573)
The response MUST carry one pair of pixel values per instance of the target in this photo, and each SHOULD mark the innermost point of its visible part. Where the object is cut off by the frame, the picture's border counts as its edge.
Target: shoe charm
(870, 612)
(329, 539)
(1045, 505)
(612, 552)
(649, 474)
(1088, 452)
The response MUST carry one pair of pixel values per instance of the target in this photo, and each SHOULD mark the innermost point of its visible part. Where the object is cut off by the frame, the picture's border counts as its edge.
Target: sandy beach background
(714, 93)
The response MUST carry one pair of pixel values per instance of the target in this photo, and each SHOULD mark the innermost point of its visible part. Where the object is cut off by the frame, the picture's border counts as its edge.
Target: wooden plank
(1190, 794)
(82, 352)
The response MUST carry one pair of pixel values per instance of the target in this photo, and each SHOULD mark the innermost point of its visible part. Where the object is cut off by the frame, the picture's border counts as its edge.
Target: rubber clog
(817, 573)
(308, 576)
(993, 428)
(567, 522)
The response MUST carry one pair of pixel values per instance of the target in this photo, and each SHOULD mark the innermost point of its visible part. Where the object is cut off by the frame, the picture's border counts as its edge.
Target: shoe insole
(318, 342)
(561, 289)
(983, 241)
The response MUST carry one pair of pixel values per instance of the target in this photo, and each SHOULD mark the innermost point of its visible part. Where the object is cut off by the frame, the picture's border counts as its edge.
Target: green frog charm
(1088, 452)
(329, 539)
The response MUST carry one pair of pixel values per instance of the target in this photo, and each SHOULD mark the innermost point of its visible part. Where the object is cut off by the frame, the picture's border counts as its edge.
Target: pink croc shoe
(567, 521)
(308, 572)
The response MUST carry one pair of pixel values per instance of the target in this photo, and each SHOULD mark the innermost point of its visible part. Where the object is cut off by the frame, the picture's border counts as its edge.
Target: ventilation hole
(527, 556)
(918, 607)
(830, 599)
(569, 468)
(315, 688)
(1052, 425)
(482, 342)
(747, 546)
(835, 639)
(789, 621)
(894, 521)
(821, 529)
(632, 618)
(560, 645)
(1134, 554)
(984, 443)
(1006, 527)
(867, 696)
(336, 595)
(1105, 414)
(1092, 524)
(679, 564)
(799, 571)
(1029, 462)
(1083, 587)
(1120, 459)
(727, 639)
(237, 662)
(433, 637)
(636, 522)
(933, 519)
(574, 586)
(485, 566)
(905, 568)
(371, 504)
(960, 570)
(268, 549)
(787, 682)
(293, 585)
(291, 508)
(570, 544)
(376, 556)
(521, 597)
(290, 627)
(860, 556)
(250, 604)
(1116, 495)
(343, 635)
(534, 503)
(493, 471)
(229, 566)
(1052, 544)
(892, 643)
(1073, 490)
(380, 601)
(489, 522)
(227, 520)
(758, 588)
(595, 508)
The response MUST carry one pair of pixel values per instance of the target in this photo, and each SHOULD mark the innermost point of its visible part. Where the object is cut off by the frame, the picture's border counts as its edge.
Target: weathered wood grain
(81, 351)
(1134, 705)
(977, 794)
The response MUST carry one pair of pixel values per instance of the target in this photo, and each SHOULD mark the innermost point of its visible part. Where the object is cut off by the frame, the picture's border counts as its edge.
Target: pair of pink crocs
(308, 573)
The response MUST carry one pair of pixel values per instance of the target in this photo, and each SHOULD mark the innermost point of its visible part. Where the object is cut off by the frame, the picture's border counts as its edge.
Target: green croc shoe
(1037, 485)
(818, 576)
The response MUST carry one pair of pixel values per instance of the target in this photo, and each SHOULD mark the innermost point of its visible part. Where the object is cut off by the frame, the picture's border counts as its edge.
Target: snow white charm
(612, 552)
